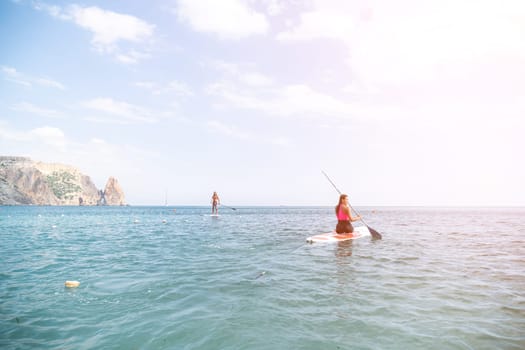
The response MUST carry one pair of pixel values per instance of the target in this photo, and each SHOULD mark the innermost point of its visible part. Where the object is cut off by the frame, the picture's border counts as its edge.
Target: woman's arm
(349, 212)
(357, 218)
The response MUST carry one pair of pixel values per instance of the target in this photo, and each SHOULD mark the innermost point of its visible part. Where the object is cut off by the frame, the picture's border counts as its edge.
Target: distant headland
(27, 182)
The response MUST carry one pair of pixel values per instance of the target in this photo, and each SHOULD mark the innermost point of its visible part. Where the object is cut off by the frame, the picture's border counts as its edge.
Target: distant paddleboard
(359, 232)
(214, 215)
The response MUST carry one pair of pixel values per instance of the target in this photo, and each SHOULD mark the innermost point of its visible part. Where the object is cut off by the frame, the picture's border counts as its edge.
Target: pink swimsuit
(342, 216)
(343, 222)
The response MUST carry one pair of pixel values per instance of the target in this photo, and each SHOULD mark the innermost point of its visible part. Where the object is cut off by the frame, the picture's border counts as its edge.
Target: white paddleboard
(359, 232)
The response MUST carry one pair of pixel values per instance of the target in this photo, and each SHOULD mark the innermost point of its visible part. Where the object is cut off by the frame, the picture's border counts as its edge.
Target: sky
(407, 102)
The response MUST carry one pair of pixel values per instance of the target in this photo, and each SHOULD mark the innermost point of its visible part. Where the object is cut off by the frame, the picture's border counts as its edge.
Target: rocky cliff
(24, 181)
(113, 192)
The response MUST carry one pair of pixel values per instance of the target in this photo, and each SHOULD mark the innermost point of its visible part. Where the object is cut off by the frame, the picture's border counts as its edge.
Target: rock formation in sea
(113, 193)
(27, 182)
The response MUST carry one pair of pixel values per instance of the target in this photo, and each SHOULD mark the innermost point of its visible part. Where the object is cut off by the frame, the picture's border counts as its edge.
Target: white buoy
(72, 284)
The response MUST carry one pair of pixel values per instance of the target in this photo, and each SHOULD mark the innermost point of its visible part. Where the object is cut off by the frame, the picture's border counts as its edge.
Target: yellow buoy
(72, 284)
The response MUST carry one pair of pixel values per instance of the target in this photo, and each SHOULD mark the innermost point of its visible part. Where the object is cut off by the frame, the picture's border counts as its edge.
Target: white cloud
(280, 141)
(53, 10)
(229, 19)
(8, 134)
(173, 87)
(255, 79)
(149, 85)
(408, 59)
(132, 57)
(303, 100)
(50, 83)
(118, 112)
(289, 100)
(228, 130)
(235, 132)
(13, 75)
(9, 71)
(236, 88)
(242, 73)
(46, 135)
(360, 89)
(32, 109)
(97, 141)
(274, 7)
(179, 88)
(110, 29)
(320, 24)
(50, 136)
(249, 89)
(409, 41)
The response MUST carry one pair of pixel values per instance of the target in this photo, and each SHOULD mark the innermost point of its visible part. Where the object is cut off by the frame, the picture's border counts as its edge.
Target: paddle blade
(374, 233)
(228, 207)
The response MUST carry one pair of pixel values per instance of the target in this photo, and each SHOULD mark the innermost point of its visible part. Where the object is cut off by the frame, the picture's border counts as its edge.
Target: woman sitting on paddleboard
(344, 216)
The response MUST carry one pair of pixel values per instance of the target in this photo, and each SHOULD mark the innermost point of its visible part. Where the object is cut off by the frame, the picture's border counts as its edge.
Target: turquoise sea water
(152, 278)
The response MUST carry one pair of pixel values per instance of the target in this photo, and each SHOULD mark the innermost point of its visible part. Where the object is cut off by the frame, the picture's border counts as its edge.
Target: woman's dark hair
(341, 198)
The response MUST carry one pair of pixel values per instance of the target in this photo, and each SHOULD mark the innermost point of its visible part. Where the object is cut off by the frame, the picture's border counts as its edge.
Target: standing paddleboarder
(215, 200)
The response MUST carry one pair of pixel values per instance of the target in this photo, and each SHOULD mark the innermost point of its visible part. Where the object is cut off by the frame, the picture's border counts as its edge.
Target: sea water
(159, 278)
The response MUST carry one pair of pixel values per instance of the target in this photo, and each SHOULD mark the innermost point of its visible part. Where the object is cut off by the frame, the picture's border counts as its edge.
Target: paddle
(374, 233)
(222, 205)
